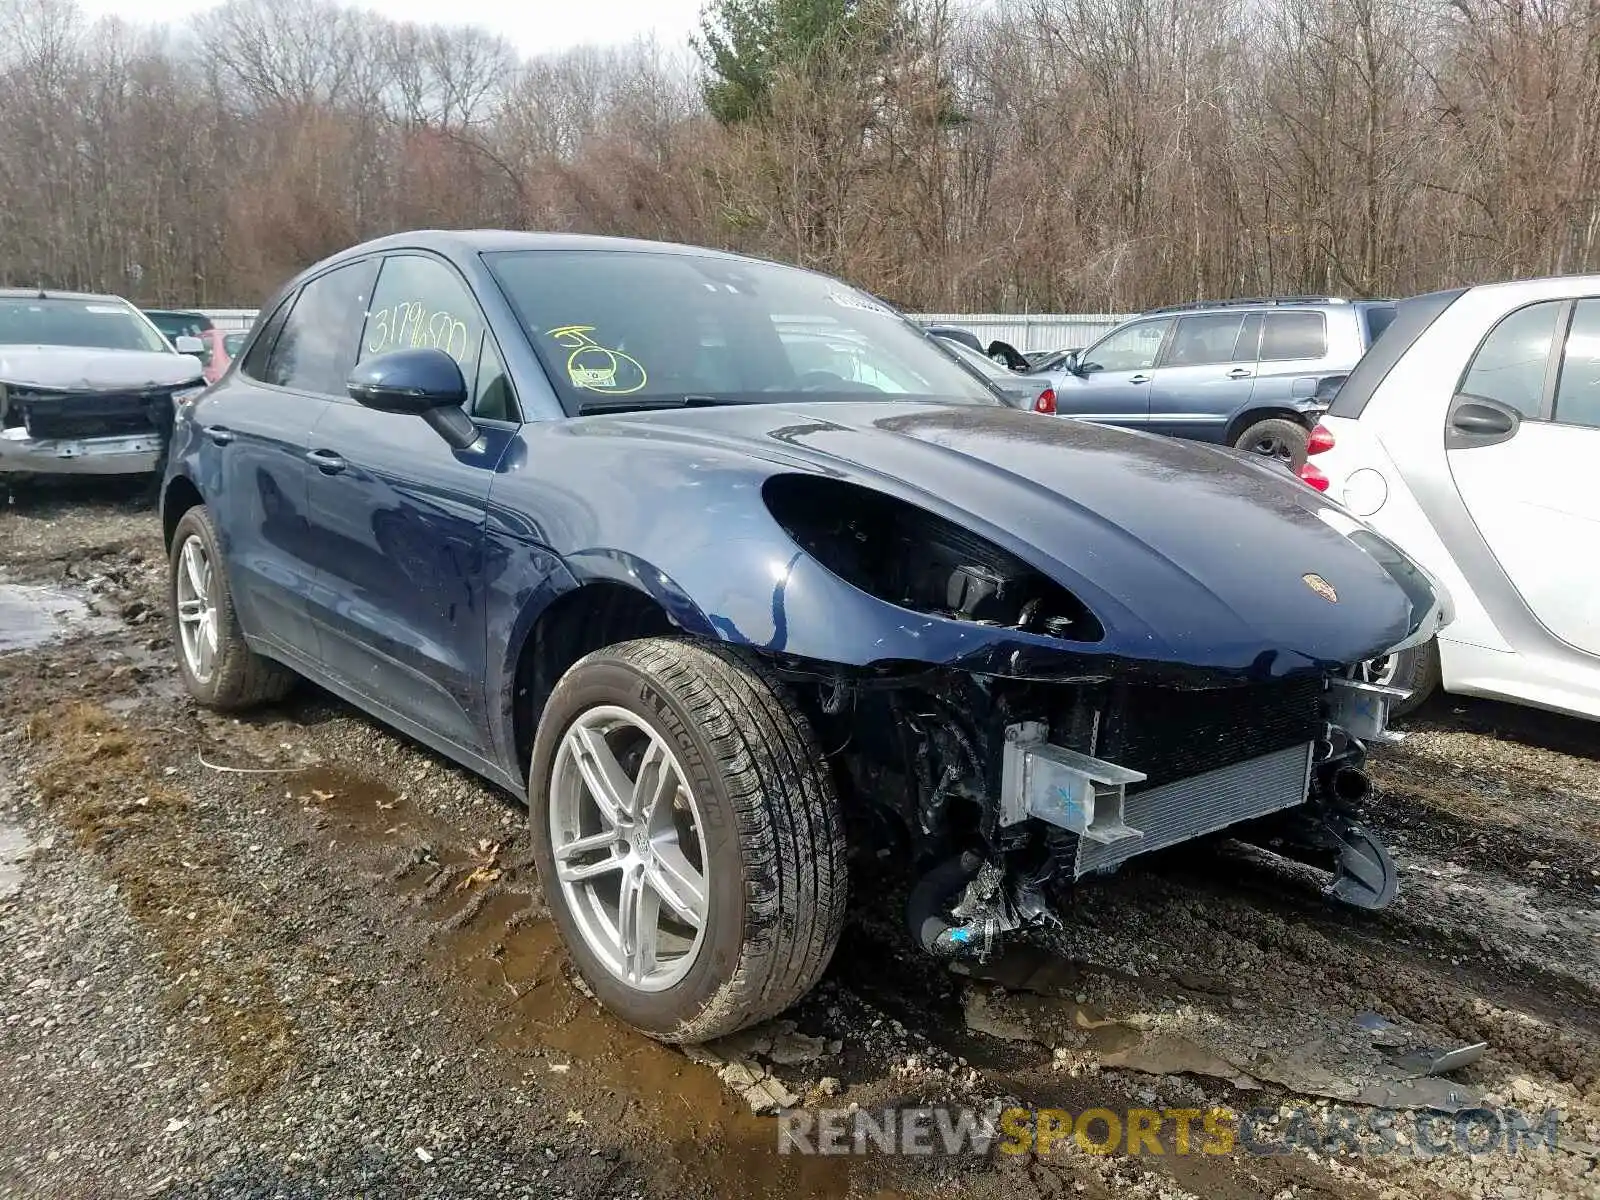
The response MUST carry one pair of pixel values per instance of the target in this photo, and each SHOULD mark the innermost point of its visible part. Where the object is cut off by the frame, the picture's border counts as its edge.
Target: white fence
(230, 319)
(1025, 331)
(1031, 331)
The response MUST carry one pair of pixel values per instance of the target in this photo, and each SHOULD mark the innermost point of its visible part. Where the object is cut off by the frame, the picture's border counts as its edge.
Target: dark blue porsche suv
(708, 558)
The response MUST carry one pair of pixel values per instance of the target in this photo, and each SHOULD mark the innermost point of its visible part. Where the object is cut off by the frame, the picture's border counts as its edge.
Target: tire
(238, 677)
(772, 848)
(1276, 437)
(1416, 667)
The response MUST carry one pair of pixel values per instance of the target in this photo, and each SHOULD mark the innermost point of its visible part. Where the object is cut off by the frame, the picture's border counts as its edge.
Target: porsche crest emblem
(1321, 587)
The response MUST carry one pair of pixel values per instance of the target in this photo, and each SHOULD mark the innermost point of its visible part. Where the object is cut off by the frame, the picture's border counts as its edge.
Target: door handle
(1240, 373)
(220, 434)
(1139, 379)
(326, 461)
(1481, 420)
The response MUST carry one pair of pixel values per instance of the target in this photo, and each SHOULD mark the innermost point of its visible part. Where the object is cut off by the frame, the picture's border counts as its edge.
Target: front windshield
(96, 324)
(641, 329)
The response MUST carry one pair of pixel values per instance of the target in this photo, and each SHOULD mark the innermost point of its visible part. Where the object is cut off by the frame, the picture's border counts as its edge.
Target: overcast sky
(533, 26)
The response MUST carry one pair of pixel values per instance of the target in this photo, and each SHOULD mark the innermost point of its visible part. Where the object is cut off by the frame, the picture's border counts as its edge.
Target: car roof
(494, 241)
(1267, 302)
(52, 294)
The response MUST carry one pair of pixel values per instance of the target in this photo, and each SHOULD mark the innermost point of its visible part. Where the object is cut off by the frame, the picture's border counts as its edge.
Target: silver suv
(1254, 374)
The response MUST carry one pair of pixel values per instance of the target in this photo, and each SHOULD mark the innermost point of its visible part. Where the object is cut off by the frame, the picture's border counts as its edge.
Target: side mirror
(424, 383)
(186, 343)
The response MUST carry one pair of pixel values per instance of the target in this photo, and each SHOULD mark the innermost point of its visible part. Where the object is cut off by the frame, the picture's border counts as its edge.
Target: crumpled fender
(1190, 558)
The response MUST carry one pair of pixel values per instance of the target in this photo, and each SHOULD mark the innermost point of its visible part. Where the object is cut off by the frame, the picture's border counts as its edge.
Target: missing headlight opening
(920, 561)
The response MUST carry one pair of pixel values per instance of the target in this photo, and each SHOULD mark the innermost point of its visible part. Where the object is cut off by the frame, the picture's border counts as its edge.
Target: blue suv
(1252, 374)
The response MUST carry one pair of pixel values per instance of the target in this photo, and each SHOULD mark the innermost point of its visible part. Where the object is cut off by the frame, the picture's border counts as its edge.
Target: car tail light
(1046, 403)
(1320, 441)
(1313, 477)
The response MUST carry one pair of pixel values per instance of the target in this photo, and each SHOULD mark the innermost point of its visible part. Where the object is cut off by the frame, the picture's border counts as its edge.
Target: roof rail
(1248, 300)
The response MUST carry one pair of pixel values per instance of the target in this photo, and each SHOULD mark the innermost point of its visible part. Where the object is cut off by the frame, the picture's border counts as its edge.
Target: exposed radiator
(1201, 804)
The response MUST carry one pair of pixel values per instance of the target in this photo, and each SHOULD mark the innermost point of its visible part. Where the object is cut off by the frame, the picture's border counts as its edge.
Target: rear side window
(317, 346)
(1510, 365)
(1411, 320)
(1204, 339)
(1292, 335)
(1578, 392)
(1377, 317)
(255, 363)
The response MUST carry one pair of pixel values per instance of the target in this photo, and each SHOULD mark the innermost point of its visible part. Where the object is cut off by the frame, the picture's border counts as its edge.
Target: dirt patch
(95, 775)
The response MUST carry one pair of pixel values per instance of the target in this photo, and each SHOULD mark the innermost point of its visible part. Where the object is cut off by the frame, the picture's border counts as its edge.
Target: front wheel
(687, 836)
(1416, 668)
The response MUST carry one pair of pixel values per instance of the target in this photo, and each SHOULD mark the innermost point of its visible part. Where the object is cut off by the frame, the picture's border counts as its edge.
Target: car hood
(82, 369)
(1186, 553)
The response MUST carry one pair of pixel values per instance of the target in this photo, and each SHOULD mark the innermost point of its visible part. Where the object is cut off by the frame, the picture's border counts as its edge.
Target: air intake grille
(84, 415)
(1171, 734)
(1204, 804)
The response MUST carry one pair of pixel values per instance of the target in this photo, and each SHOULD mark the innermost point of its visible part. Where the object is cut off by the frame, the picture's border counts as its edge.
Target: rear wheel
(687, 837)
(218, 668)
(1276, 438)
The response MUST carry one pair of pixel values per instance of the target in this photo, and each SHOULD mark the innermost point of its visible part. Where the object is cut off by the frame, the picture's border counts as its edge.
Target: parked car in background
(175, 323)
(587, 516)
(959, 335)
(1003, 353)
(1021, 391)
(1051, 360)
(1468, 436)
(214, 358)
(1243, 373)
(87, 385)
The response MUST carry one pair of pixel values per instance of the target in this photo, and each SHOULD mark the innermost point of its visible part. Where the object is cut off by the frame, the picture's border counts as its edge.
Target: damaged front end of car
(1046, 750)
(58, 417)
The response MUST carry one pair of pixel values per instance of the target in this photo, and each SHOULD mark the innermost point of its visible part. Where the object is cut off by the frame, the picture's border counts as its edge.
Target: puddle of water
(31, 616)
(15, 846)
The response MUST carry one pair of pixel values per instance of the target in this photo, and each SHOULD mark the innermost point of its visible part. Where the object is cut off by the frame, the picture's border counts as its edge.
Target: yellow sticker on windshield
(595, 367)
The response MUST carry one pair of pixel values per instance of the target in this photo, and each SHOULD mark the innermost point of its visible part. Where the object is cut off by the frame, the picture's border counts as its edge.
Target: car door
(1112, 383)
(258, 428)
(400, 598)
(1206, 374)
(1521, 436)
(1294, 356)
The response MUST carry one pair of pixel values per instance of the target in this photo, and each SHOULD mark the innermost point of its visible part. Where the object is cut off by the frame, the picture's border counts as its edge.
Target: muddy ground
(297, 955)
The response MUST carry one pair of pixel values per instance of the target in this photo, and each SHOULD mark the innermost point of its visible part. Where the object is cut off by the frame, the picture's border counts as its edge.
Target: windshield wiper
(649, 403)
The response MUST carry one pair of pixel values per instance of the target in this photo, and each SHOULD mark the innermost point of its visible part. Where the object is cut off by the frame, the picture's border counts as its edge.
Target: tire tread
(242, 679)
(790, 828)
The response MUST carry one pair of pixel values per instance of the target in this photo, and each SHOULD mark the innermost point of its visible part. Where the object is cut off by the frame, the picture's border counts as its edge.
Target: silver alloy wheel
(629, 848)
(1380, 670)
(197, 609)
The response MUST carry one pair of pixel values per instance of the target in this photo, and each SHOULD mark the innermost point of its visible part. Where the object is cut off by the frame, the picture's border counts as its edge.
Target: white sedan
(1467, 436)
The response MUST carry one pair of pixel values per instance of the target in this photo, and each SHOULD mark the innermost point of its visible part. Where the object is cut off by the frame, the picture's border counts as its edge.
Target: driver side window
(1510, 365)
(1131, 348)
(421, 302)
